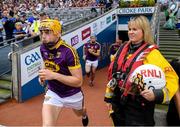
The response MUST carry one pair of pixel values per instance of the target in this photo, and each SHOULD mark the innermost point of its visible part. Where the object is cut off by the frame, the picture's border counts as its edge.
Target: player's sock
(91, 83)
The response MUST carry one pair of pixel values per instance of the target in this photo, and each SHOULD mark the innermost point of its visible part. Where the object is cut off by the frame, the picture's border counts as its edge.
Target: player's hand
(148, 94)
(41, 81)
(45, 74)
(90, 51)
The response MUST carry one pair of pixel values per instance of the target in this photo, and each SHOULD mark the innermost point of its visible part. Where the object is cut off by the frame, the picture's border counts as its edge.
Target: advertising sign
(139, 10)
(31, 63)
(94, 27)
(74, 40)
(86, 33)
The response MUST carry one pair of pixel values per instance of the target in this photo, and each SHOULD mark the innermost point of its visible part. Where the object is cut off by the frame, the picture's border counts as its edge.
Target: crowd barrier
(9, 46)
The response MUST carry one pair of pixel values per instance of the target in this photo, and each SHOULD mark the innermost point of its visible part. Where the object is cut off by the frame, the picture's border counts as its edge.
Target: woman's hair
(143, 23)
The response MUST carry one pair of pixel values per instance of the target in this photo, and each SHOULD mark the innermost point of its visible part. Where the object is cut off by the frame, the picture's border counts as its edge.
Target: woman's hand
(148, 94)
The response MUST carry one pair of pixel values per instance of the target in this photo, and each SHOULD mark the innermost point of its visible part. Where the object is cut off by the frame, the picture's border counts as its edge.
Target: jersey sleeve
(72, 59)
(163, 95)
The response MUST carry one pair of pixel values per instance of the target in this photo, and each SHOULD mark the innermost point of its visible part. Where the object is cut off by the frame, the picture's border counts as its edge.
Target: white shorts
(75, 101)
(92, 63)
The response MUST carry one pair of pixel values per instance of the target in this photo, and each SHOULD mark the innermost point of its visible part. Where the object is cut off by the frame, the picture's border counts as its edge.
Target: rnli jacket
(150, 55)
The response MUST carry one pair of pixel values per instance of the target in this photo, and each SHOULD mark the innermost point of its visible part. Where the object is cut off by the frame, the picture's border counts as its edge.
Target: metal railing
(5, 64)
(155, 24)
(9, 46)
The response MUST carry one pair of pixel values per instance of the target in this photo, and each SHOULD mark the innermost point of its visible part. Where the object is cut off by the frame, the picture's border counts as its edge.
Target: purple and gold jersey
(114, 48)
(95, 46)
(61, 60)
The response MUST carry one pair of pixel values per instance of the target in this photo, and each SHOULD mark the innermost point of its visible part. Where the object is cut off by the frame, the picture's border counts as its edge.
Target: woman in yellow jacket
(137, 108)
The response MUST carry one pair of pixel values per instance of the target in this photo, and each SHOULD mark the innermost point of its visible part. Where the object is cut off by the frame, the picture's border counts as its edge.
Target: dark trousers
(172, 115)
(117, 116)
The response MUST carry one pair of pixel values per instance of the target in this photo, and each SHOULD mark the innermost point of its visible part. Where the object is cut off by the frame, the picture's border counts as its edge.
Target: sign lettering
(29, 59)
(140, 10)
(151, 73)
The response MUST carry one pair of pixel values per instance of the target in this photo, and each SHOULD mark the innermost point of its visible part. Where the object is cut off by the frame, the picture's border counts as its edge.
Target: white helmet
(153, 76)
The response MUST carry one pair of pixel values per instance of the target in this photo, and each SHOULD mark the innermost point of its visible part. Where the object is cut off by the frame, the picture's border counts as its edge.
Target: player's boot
(85, 121)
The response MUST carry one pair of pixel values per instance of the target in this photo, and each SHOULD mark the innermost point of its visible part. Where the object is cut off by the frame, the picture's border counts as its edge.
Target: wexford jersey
(61, 59)
(95, 46)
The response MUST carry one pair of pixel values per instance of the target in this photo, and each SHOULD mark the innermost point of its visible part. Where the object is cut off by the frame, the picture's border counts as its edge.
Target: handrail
(14, 39)
(155, 24)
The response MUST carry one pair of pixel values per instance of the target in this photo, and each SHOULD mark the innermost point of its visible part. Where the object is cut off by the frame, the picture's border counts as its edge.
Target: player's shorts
(75, 101)
(92, 63)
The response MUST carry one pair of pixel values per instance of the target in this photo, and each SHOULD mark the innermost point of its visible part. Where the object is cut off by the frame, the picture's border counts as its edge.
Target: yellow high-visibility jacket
(163, 95)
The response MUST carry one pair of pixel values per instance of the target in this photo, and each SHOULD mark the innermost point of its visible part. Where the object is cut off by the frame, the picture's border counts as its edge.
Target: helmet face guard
(51, 25)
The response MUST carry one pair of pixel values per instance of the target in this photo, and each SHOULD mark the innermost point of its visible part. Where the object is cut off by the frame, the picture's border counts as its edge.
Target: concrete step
(169, 33)
(169, 38)
(161, 36)
(160, 117)
(5, 94)
(5, 84)
(1, 101)
(170, 57)
(170, 50)
(7, 77)
(170, 53)
(161, 107)
(169, 42)
(162, 30)
(165, 42)
(172, 35)
(169, 46)
(160, 114)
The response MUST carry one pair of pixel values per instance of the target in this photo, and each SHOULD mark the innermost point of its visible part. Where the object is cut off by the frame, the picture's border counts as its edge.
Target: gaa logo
(29, 59)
